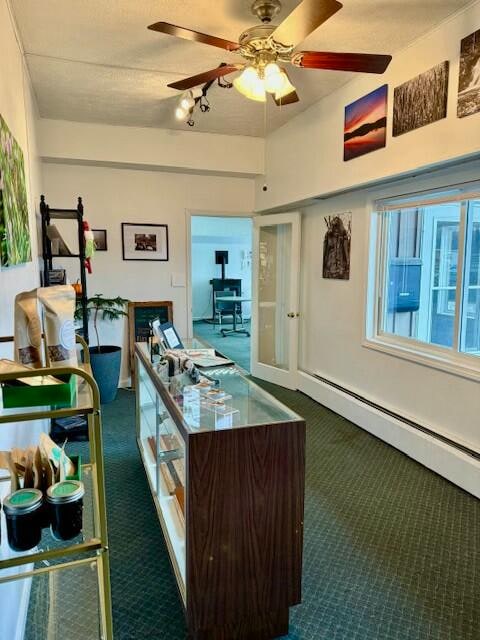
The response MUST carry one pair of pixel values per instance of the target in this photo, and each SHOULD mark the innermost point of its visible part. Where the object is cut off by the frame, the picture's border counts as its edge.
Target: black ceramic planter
(106, 370)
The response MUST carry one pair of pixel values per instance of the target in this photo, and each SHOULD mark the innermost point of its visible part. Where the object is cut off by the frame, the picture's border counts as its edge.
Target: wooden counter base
(264, 627)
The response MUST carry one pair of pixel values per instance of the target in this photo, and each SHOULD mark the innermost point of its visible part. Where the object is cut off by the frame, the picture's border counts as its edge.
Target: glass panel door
(276, 298)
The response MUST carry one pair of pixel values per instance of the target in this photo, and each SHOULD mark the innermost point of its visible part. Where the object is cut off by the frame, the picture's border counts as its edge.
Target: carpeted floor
(392, 551)
(236, 347)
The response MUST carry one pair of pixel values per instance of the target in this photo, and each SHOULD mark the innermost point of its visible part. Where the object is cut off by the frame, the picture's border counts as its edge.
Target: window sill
(458, 365)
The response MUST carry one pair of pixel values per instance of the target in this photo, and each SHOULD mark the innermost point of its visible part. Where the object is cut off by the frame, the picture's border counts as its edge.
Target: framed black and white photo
(144, 241)
(100, 239)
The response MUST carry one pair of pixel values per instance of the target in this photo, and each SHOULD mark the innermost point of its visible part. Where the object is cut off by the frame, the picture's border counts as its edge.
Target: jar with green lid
(23, 516)
(65, 501)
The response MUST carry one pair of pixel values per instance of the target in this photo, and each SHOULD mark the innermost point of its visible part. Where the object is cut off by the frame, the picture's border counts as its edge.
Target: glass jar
(23, 516)
(65, 501)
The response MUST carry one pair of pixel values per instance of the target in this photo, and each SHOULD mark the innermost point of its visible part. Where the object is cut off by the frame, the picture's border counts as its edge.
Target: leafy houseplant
(105, 359)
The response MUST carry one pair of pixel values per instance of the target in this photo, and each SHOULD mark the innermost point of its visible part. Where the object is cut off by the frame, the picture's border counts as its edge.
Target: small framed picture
(100, 239)
(144, 241)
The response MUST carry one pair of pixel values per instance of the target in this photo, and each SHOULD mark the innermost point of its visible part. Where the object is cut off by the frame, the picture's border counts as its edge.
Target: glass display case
(225, 464)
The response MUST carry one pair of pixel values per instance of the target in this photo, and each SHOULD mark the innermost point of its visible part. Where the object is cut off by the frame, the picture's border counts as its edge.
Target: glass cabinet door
(163, 452)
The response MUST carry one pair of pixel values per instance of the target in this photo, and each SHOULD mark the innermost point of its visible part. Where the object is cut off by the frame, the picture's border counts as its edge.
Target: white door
(275, 308)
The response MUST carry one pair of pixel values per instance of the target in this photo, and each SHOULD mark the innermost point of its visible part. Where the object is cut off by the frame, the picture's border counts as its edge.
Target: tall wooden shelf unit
(63, 588)
(229, 494)
(76, 215)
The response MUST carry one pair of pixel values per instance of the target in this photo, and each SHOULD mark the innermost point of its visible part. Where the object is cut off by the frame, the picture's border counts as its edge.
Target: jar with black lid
(23, 516)
(65, 501)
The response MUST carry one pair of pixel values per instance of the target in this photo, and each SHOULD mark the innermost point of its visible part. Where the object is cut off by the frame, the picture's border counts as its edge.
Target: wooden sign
(140, 314)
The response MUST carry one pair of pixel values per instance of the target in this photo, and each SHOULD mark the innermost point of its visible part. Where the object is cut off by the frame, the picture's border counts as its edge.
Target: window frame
(448, 359)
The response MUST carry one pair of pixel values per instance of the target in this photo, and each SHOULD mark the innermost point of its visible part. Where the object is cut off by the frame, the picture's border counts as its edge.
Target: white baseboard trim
(453, 464)
(124, 383)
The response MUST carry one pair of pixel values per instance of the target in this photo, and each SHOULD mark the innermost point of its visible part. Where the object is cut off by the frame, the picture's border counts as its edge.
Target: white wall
(305, 156)
(333, 328)
(162, 149)
(112, 196)
(224, 234)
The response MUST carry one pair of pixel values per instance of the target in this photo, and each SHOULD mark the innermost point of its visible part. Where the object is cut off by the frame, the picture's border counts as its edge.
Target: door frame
(189, 214)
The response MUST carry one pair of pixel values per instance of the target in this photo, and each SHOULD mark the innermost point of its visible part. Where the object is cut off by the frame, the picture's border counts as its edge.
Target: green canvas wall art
(14, 227)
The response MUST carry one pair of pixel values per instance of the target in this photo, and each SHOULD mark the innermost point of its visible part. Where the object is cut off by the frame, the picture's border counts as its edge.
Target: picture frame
(145, 242)
(100, 239)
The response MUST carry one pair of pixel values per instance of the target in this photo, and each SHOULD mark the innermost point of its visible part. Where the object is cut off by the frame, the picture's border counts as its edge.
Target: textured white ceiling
(95, 60)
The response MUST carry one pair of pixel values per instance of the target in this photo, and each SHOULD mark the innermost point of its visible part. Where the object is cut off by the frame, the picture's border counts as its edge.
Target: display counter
(226, 467)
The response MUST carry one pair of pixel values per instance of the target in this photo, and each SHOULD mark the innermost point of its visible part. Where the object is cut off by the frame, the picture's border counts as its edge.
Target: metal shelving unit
(49, 214)
(71, 571)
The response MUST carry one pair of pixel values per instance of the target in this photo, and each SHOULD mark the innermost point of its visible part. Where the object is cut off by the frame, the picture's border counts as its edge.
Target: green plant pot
(106, 370)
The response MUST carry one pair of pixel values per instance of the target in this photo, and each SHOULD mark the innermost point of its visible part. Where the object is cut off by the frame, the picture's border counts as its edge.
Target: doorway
(221, 268)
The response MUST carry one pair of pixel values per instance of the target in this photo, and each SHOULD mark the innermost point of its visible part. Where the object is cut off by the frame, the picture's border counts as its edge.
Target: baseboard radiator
(397, 416)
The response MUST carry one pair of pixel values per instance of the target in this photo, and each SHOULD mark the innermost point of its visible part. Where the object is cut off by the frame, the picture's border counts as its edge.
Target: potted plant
(105, 359)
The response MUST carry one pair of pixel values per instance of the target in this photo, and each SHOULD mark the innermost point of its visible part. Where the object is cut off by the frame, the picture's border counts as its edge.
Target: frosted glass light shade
(250, 85)
(286, 89)
(275, 78)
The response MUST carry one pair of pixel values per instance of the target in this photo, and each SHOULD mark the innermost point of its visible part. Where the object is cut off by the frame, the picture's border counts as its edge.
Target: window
(427, 281)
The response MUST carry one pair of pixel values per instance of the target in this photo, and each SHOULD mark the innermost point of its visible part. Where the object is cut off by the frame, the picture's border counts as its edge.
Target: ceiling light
(275, 78)
(187, 101)
(250, 84)
(285, 90)
(180, 113)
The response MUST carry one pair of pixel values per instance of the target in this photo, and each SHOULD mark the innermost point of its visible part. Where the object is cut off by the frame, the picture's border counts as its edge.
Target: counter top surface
(239, 403)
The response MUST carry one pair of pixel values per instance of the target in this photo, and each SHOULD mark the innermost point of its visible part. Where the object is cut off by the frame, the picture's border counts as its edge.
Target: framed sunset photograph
(365, 128)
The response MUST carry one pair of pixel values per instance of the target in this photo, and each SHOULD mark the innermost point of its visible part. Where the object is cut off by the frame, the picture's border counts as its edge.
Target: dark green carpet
(392, 551)
(235, 347)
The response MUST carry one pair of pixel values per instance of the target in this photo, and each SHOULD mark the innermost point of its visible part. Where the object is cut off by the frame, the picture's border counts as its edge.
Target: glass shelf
(83, 405)
(46, 604)
(163, 451)
(48, 543)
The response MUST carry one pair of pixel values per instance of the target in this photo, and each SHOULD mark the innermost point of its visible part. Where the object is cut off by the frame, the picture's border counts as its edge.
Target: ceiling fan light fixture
(250, 85)
(275, 78)
(286, 89)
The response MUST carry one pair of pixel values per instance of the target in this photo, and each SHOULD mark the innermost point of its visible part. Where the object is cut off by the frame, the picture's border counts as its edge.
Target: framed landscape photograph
(144, 241)
(100, 239)
(469, 76)
(365, 127)
(421, 101)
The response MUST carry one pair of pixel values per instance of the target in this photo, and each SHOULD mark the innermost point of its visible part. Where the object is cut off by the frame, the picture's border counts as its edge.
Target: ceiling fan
(266, 47)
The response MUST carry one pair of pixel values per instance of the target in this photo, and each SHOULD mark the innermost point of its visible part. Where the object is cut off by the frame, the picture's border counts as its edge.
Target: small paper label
(67, 335)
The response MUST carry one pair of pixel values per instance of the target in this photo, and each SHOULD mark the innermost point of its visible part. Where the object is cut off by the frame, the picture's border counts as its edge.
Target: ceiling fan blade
(362, 62)
(304, 19)
(206, 76)
(290, 98)
(195, 36)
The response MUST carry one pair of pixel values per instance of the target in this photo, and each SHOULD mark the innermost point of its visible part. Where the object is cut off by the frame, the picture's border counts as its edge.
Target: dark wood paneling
(264, 627)
(245, 524)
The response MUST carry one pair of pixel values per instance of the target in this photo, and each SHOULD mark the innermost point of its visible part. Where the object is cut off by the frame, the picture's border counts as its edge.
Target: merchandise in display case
(226, 466)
